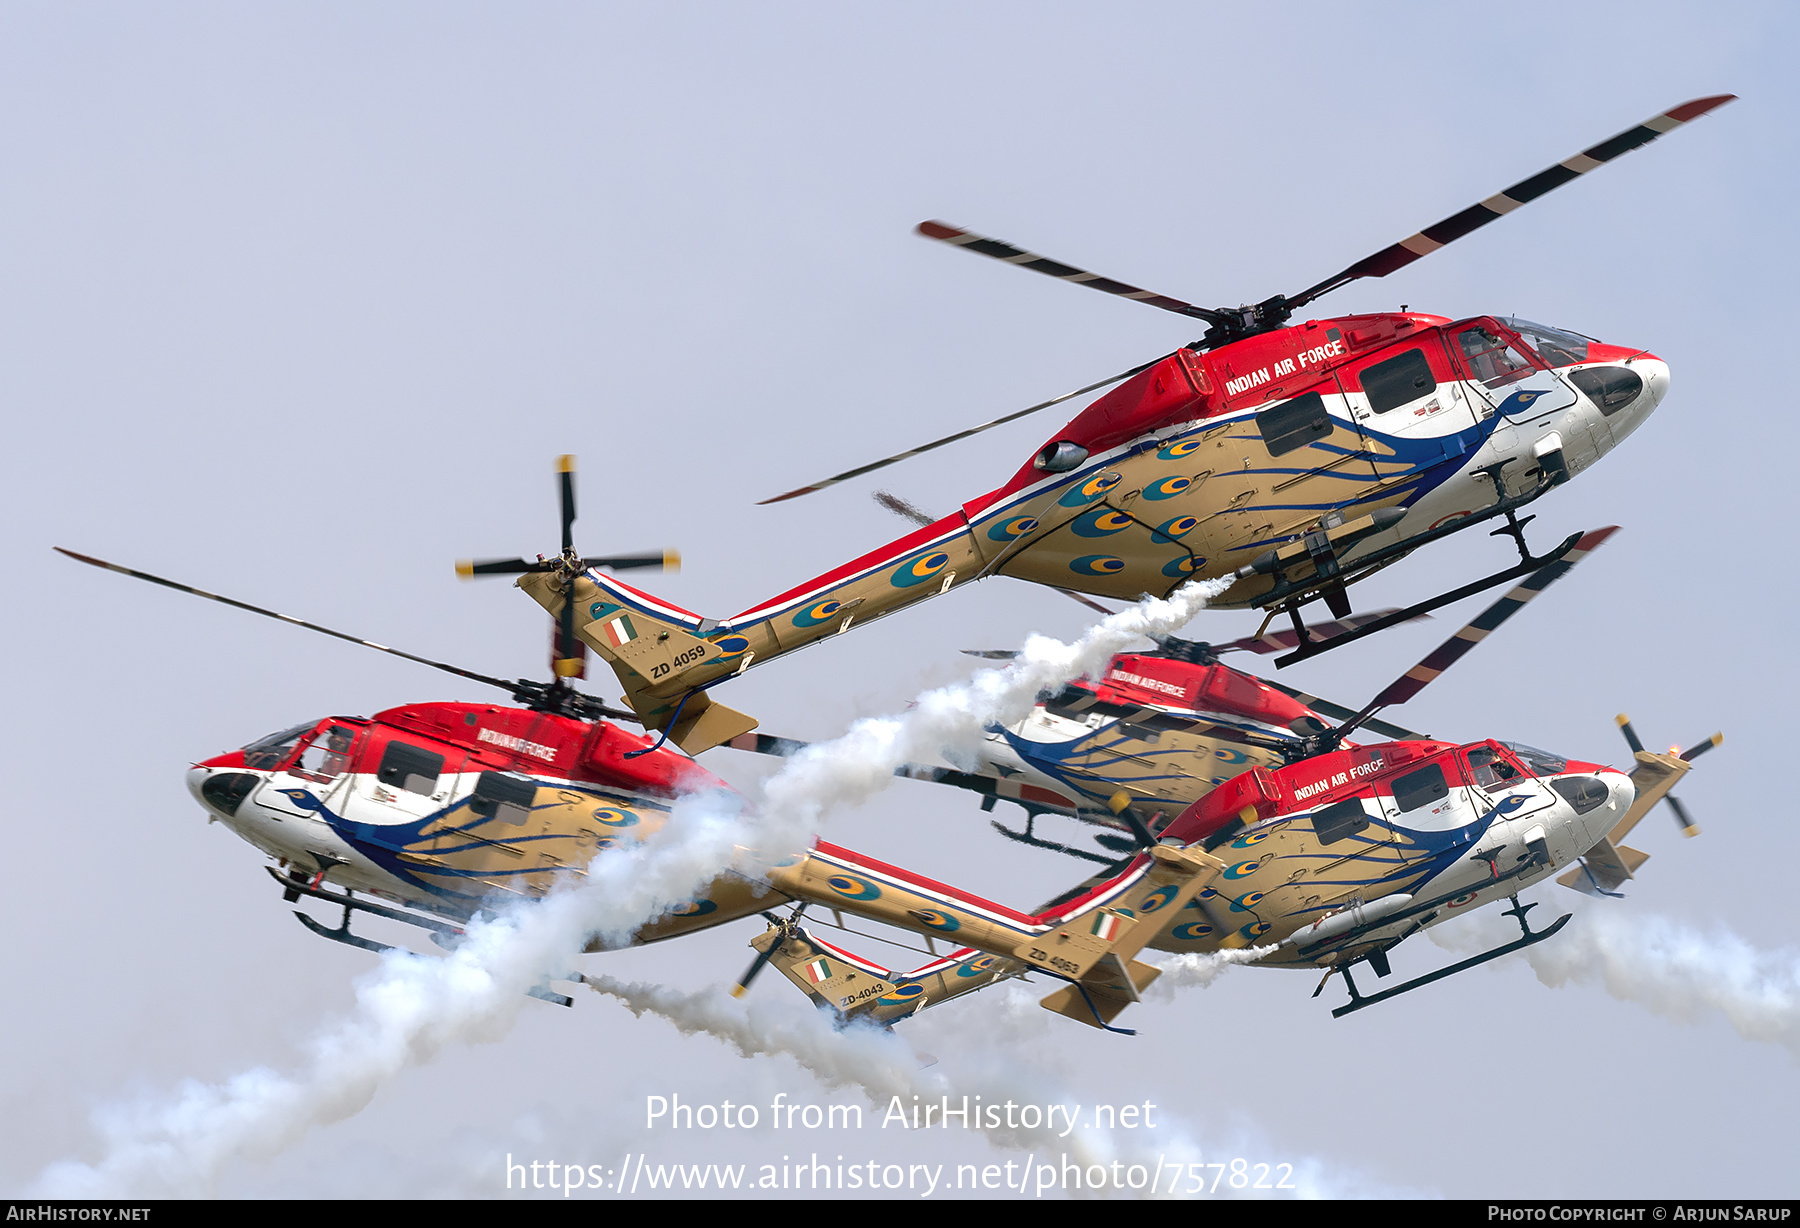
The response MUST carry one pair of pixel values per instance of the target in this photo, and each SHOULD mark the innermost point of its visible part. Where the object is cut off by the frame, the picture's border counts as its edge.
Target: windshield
(1555, 347)
(269, 752)
(1540, 762)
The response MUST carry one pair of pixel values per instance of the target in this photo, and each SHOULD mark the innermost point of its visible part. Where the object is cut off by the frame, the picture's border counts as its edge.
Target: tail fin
(856, 988)
(1094, 948)
(658, 652)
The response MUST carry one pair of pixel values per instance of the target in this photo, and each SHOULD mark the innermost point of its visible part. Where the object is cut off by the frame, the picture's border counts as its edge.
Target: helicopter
(1292, 459)
(1151, 732)
(439, 808)
(1327, 861)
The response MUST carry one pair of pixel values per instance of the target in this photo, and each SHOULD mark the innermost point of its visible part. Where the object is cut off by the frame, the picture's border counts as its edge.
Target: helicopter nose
(219, 789)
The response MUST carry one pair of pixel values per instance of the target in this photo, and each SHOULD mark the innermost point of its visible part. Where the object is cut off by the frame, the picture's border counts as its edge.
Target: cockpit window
(272, 751)
(1491, 769)
(1539, 762)
(327, 755)
(1555, 347)
(1492, 360)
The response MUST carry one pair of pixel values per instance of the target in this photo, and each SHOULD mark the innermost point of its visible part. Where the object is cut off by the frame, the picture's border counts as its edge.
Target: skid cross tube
(1530, 937)
(1312, 647)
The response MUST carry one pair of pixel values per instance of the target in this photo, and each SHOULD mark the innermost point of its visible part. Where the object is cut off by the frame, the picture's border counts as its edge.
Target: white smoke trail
(411, 1007)
(1197, 971)
(1674, 971)
(951, 720)
(991, 1063)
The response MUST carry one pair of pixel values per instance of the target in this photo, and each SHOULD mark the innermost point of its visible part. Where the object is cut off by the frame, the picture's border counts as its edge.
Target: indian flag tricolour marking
(620, 631)
(819, 971)
(1107, 926)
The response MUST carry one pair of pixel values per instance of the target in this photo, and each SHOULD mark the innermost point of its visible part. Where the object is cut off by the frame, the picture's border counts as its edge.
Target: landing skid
(1038, 842)
(443, 934)
(1530, 938)
(1290, 596)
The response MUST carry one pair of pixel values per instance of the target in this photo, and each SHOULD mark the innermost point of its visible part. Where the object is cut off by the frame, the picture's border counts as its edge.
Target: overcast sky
(302, 300)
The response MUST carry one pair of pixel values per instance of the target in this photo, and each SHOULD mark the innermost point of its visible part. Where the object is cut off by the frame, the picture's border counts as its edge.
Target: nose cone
(1625, 413)
(221, 789)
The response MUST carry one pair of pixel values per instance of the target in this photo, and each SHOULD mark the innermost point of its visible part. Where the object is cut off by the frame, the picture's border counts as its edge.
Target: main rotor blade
(1524, 192)
(565, 469)
(1451, 650)
(1398, 732)
(1006, 253)
(1278, 641)
(974, 430)
(287, 618)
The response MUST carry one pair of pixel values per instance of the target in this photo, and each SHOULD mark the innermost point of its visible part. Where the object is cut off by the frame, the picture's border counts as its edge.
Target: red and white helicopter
(1332, 858)
(1294, 459)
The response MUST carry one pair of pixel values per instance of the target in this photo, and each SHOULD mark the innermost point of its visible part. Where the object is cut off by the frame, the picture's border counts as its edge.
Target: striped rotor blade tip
(1451, 650)
(1524, 192)
(1007, 253)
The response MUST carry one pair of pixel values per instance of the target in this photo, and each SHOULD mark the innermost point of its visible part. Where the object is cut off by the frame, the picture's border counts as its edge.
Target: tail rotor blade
(666, 560)
(1631, 738)
(1682, 819)
(763, 957)
(470, 568)
(565, 468)
(1695, 752)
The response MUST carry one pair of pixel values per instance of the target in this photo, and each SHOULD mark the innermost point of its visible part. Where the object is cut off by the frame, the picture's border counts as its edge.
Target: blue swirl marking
(732, 645)
(1179, 527)
(1247, 901)
(303, 799)
(1017, 527)
(935, 919)
(1097, 565)
(1156, 899)
(919, 570)
(1519, 401)
(1177, 450)
(1256, 929)
(1206, 893)
(905, 993)
(608, 842)
(1167, 488)
(1243, 869)
(1192, 931)
(693, 908)
(616, 818)
(1231, 756)
(600, 609)
(1089, 490)
(1255, 837)
(815, 615)
(1183, 566)
(1101, 522)
(853, 888)
(976, 967)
